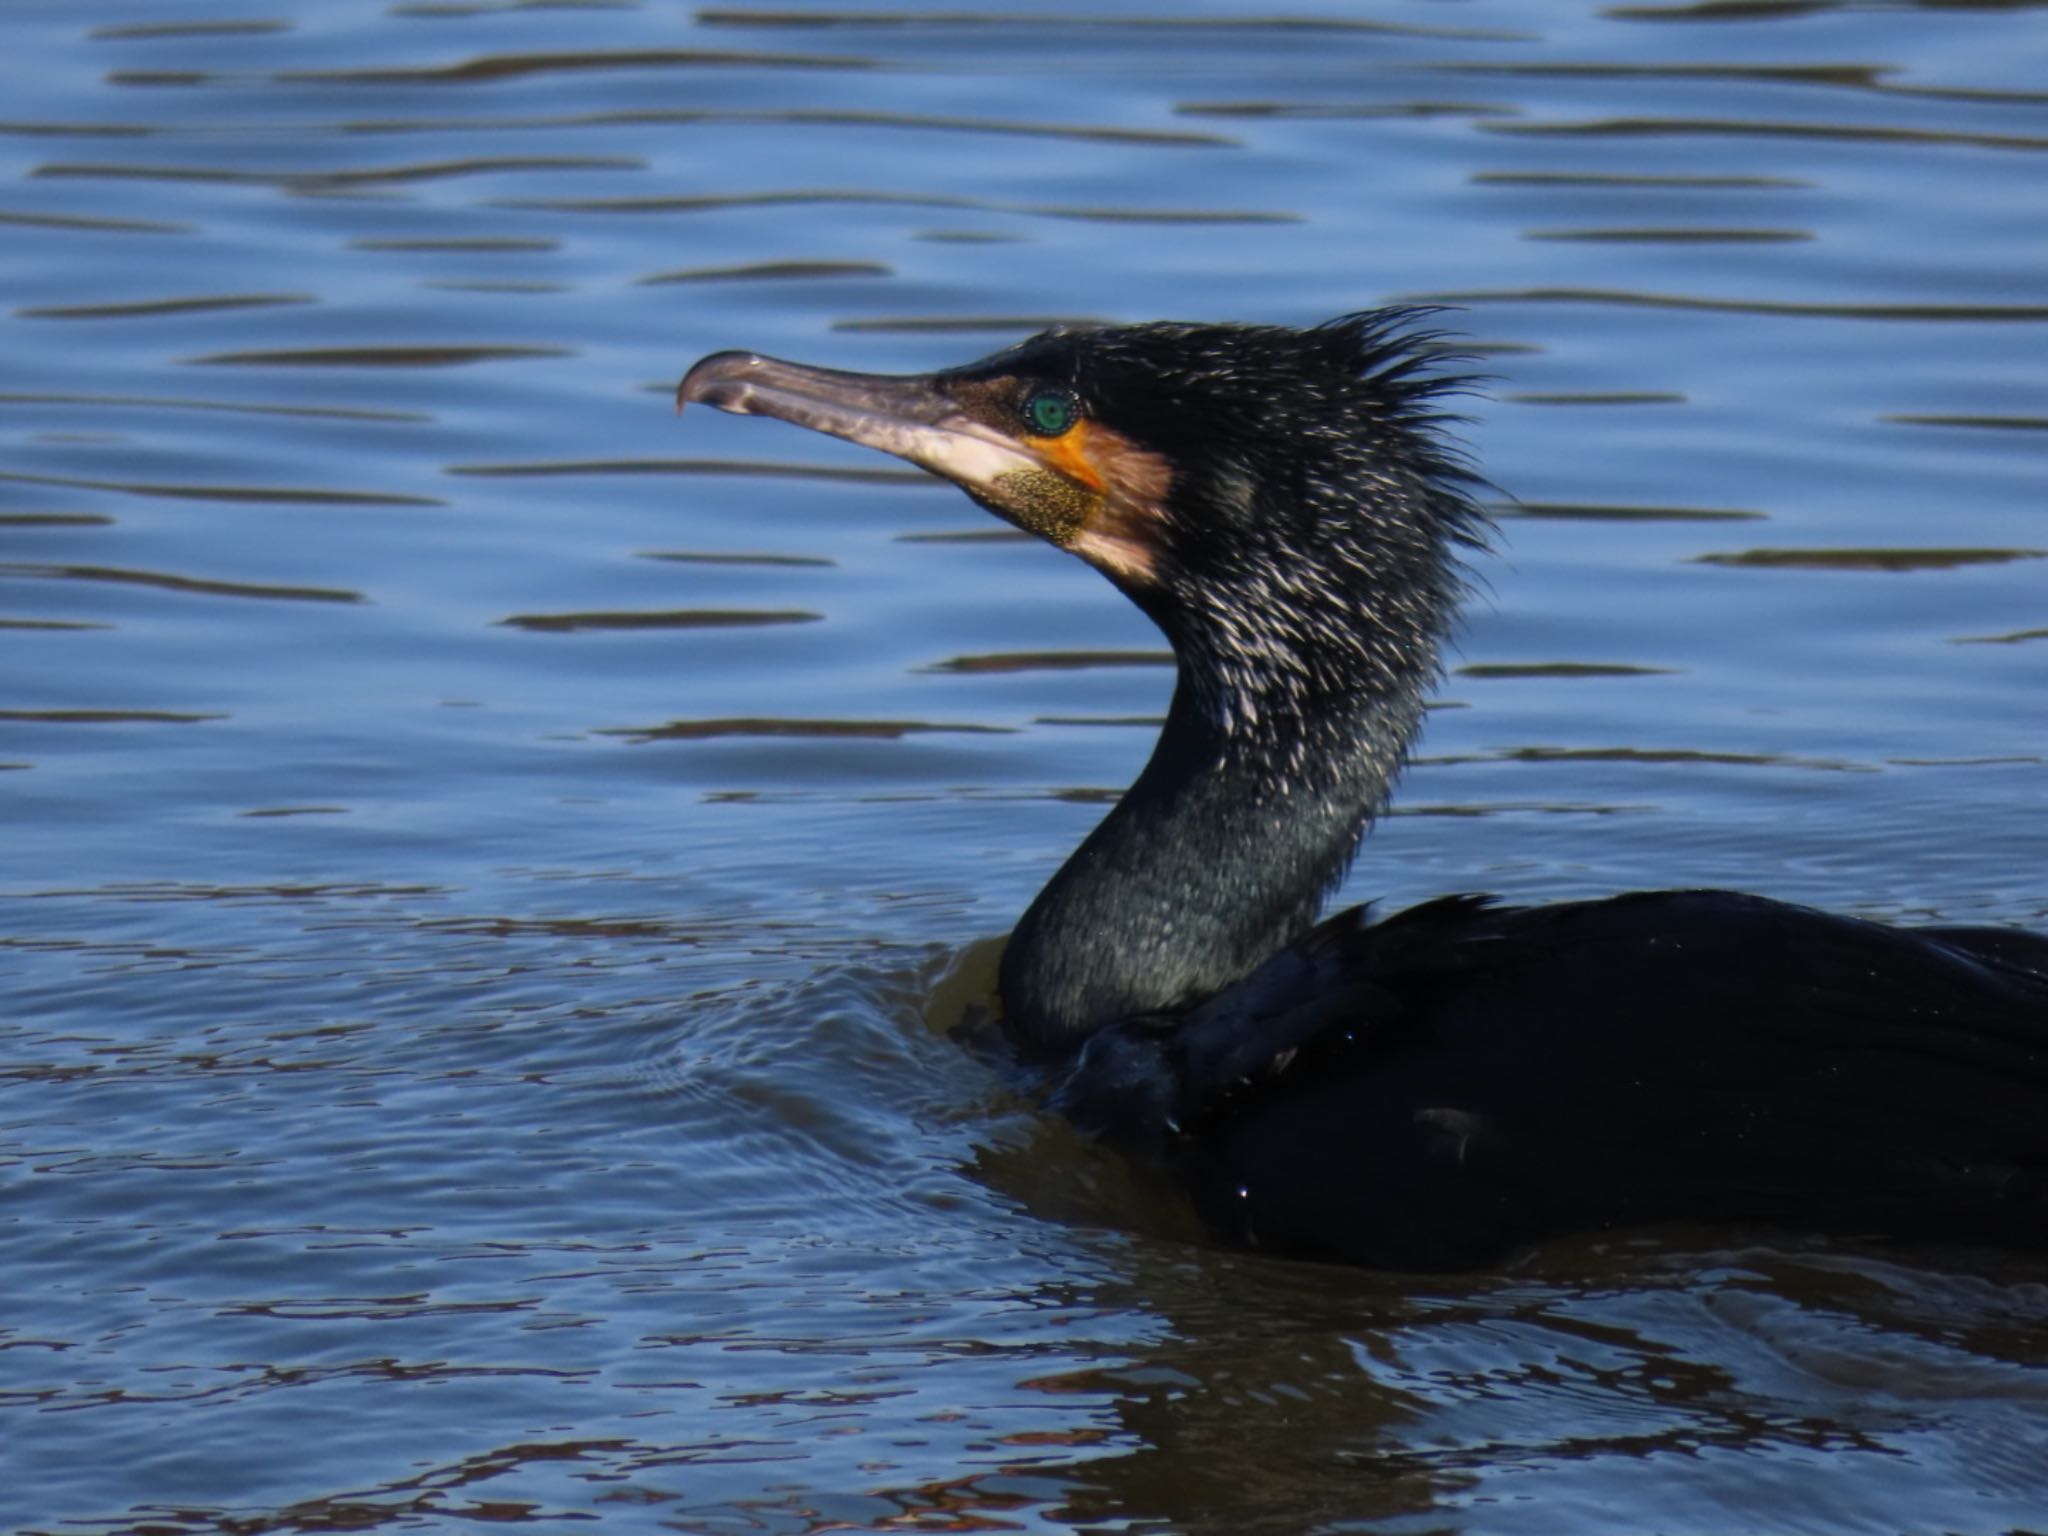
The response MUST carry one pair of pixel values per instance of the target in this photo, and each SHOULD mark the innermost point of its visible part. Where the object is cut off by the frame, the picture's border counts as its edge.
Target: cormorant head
(1281, 501)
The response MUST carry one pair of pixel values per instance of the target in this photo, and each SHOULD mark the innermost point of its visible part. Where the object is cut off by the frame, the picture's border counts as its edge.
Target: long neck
(1243, 821)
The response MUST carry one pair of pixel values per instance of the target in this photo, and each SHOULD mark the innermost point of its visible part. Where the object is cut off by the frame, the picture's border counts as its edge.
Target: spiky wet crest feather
(1306, 570)
(1316, 507)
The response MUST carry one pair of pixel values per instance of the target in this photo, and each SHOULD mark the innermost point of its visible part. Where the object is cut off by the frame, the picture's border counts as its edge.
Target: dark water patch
(1970, 95)
(1628, 181)
(1810, 310)
(1050, 661)
(55, 520)
(1962, 762)
(339, 179)
(50, 624)
(289, 893)
(380, 357)
(641, 1472)
(1866, 559)
(91, 223)
(77, 130)
(1153, 722)
(1857, 76)
(1066, 21)
(1083, 132)
(244, 407)
(723, 557)
(848, 730)
(766, 468)
(968, 536)
(680, 618)
(1085, 794)
(439, 9)
(1875, 79)
(2017, 637)
(795, 117)
(1730, 10)
(713, 202)
(1589, 512)
(1981, 423)
(1649, 236)
(1661, 756)
(269, 812)
(141, 31)
(1516, 669)
(771, 271)
(589, 928)
(147, 308)
(480, 165)
(969, 236)
(1872, 78)
(282, 495)
(150, 79)
(106, 716)
(969, 325)
(1745, 128)
(383, 1308)
(1342, 111)
(830, 117)
(167, 582)
(500, 67)
(95, 170)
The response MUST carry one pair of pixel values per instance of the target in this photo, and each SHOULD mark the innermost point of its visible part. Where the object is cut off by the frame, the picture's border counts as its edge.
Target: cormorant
(1432, 1089)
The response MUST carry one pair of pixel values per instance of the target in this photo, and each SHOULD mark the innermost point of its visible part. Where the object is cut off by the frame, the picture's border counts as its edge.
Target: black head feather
(1317, 504)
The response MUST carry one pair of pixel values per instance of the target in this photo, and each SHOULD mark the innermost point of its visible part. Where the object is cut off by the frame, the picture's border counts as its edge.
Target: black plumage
(1438, 1086)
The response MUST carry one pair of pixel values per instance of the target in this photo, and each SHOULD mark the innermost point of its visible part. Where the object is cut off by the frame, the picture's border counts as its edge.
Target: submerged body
(1431, 1089)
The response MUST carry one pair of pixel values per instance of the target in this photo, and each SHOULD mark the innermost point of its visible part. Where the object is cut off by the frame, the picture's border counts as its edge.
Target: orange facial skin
(1070, 453)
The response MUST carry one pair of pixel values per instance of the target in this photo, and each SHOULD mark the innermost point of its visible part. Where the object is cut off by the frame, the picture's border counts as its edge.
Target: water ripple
(1703, 127)
(775, 469)
(799, 117)
(168, 582)
(856, 730)
(1068, 21)
(445, 356)
(1890, 560)
(149, 308)
(1814, 309)
(827, 196)
(238, 407)
(681, 618)
(500, 67)
(277, 494)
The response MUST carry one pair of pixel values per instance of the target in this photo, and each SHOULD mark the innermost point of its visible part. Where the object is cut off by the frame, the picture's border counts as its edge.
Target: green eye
(1052, 411)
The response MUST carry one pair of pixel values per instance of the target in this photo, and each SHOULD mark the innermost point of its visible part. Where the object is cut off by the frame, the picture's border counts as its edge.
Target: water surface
(488, 868)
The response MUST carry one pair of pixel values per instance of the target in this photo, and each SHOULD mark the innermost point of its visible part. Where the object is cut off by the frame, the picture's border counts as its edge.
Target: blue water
(488, 869)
